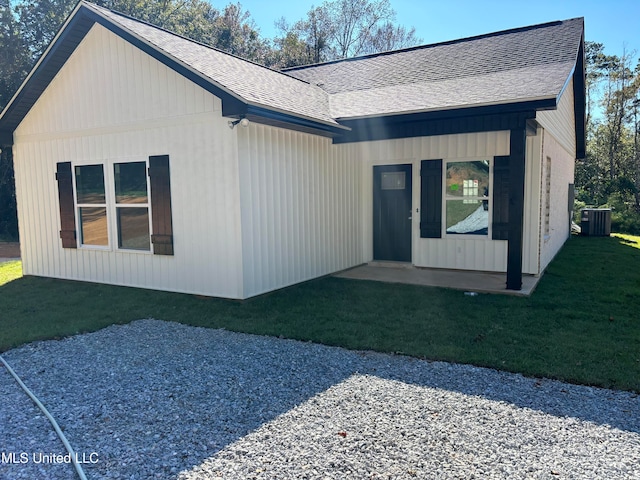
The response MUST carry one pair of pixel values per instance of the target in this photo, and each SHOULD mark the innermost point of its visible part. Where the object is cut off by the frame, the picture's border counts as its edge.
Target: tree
(231, 30)
(235, 32)
(610, 175)
(190, 18)
(594, 58)
(40, 21)
(353, 24)
(306, 41)
(341, 29)
(14, 57)
(392, 37)
(14, 64)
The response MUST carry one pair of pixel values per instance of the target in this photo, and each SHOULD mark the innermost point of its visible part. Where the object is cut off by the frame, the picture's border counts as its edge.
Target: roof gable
(246, 81)
(246, 88)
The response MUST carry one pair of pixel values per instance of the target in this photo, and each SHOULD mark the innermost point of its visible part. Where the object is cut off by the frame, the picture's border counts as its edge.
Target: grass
(581, 325)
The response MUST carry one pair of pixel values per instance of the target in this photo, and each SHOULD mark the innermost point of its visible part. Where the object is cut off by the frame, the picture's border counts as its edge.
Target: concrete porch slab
(397, 272)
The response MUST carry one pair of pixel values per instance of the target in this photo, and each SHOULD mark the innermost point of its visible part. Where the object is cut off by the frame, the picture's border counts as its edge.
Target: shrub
(625, 222)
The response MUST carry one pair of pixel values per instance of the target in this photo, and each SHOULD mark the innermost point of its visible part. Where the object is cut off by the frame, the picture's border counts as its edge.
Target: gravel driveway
(156, 399)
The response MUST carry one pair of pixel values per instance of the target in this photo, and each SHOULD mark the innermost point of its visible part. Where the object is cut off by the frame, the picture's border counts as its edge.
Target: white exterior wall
(112, 102)
(300, 198)
(561, 122)
(532, 192)
(559, 144)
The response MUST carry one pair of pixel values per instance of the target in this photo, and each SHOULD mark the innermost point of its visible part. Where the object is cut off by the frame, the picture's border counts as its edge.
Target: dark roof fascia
(444, 122)
(579, 102)
(284, 120)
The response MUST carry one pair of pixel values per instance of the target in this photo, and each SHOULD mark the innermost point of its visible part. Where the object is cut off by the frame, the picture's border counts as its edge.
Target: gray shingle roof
(505, 67)
(531, 63)
(518, 65)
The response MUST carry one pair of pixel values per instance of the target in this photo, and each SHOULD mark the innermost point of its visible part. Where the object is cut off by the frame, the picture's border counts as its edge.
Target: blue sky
(615, 23)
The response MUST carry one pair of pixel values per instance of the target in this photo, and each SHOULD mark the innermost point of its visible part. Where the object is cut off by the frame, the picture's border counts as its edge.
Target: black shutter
(67, 206)
(162, 229)
(431, 199)
(500, 225)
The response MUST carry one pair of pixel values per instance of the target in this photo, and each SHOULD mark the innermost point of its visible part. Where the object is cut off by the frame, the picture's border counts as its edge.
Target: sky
(615, 23)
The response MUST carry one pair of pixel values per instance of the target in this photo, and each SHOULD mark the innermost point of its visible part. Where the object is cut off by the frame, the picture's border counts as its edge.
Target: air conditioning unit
(595, 222)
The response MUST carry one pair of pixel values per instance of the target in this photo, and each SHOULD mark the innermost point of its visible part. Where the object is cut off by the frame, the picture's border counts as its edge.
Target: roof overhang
(478, 118)
(518, 104)
(445, 122)
(280, 118)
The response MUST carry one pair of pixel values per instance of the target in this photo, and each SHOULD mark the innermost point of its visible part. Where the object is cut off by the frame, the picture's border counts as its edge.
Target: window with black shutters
(134, 203)
(464, 197)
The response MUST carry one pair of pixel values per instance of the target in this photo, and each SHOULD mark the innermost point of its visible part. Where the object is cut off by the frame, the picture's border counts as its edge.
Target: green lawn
(582, 324)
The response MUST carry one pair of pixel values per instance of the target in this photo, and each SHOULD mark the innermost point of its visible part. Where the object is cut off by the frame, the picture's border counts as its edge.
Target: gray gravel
(156, 399)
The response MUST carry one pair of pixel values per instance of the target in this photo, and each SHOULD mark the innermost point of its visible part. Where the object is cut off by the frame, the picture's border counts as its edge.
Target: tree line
(608, 176)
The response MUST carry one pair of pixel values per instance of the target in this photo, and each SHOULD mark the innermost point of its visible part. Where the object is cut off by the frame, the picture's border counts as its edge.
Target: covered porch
(468, 281)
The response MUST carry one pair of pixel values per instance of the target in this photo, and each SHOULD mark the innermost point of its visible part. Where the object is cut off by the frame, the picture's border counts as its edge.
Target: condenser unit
(595, 222)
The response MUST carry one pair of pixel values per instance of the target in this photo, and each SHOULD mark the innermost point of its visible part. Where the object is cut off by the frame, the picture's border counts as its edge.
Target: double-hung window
(467, 195)
(91, 202)
(132, 205)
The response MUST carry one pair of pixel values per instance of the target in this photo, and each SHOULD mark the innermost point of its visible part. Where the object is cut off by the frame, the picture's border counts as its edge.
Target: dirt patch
(9, 250)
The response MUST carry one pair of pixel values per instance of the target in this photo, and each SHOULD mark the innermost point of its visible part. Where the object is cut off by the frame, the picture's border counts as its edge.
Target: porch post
(518, 141)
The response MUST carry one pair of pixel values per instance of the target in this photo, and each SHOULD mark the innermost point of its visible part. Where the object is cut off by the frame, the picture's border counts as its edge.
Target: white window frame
(78, 206)
(445, 198)
(111, 206)
(115, 205)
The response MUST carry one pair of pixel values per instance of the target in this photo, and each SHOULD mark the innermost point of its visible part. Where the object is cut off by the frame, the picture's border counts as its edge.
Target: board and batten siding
(559, 145)
(111, 102)
(561, 122)
(300, 202)
(450, 252)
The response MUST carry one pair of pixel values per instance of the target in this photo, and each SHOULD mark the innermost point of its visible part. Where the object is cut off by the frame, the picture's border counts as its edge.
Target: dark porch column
(516, 208)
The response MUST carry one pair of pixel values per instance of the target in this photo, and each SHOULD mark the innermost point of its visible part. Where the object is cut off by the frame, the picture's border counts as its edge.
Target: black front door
(392, 213)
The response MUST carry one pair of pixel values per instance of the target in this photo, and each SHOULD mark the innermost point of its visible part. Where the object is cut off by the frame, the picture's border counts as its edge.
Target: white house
(132, 166)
